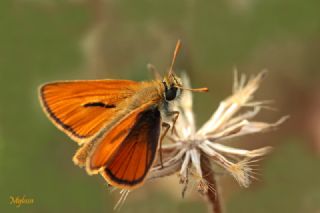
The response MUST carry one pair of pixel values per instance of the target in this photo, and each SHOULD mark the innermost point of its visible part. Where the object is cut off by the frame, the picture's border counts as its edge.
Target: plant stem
(212, 196)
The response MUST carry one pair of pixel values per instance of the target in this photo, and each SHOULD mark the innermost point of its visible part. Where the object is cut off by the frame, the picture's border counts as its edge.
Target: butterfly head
(172, 86)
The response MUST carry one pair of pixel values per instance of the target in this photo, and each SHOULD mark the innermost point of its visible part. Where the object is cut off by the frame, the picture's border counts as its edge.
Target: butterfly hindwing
(137, 153)
(135, 149)
(82, 108)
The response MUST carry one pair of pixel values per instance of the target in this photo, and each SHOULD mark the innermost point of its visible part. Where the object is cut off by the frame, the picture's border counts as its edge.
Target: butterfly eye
(171, 93)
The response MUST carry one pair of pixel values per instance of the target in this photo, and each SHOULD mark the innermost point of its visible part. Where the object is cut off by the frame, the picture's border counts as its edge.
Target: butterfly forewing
(82, 108)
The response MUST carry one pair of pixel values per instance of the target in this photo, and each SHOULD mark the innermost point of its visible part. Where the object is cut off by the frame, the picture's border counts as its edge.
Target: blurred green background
(47, 40)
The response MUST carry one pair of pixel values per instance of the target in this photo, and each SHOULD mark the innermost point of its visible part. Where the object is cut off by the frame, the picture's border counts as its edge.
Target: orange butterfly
(117, 122)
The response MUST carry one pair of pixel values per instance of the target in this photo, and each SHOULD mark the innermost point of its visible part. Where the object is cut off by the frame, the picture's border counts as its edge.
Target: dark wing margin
(131, 163)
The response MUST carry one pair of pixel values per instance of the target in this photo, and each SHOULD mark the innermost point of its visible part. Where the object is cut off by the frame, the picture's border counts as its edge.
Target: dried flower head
(192, 151)
(184, 154)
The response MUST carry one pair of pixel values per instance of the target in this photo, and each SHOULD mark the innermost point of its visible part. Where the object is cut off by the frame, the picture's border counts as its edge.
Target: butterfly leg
(175, 115)
(166, 127)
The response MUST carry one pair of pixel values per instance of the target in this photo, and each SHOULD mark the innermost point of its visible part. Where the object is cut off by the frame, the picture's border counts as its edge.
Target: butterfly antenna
(204, 89)
(154, 71)
(175, 53)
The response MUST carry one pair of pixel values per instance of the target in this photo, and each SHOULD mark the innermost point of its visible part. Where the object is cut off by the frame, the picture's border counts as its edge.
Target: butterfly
(118, 124)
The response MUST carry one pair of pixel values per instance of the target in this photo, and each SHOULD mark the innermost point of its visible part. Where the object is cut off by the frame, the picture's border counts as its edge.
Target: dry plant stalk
(192, 151)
